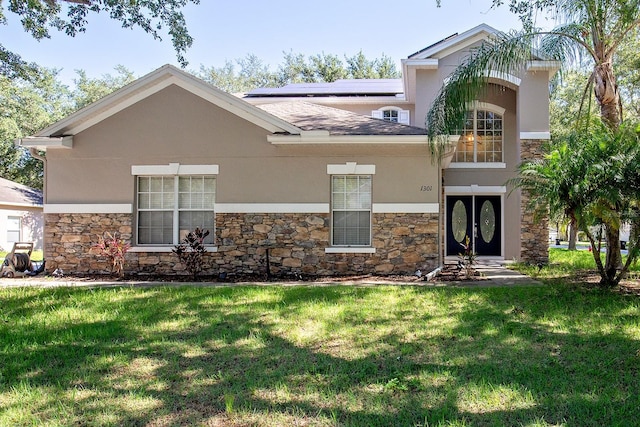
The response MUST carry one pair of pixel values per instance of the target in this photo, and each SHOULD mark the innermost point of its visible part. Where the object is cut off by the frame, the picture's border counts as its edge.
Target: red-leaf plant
(113, 247)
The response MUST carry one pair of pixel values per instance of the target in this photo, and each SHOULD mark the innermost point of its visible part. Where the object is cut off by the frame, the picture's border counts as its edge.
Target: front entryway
(479, 218)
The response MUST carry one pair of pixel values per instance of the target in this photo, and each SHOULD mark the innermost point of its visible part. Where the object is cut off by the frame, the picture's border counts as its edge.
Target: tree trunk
(614, 258)
(573, 234)
(606, 92)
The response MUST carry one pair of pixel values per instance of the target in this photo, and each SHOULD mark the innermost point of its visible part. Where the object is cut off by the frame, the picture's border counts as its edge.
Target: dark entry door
(459, 222)
(476, 217)
(488, 236)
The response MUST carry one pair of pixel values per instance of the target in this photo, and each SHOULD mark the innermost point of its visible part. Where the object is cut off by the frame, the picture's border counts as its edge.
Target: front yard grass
(327, 356)
(567, 266)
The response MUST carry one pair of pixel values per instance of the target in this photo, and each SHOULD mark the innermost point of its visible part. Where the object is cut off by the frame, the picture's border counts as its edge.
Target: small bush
(113, 247)
(191, 251)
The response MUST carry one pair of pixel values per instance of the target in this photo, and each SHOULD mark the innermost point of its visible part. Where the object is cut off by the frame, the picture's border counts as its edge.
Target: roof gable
(455, 42)
(152, 83)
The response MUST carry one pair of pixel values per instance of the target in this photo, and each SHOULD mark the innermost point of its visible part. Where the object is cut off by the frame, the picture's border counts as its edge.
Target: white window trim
(351, 168)
(535, 135)
(404, 116)
(346, 170)
(405, 208)
(479, 105)
(349, 250)
(474, 189)
(172, 169)
(82, 208)
(19, 230)
(477, 165)
(486, 106)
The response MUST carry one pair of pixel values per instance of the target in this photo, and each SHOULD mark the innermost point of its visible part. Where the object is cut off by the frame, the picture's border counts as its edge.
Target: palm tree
(553, 179)
(589, 32)
(590, 177)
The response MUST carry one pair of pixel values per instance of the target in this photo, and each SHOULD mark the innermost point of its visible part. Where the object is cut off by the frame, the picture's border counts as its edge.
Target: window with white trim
(171, 206)
(14, 229)
(481, 139)
(392, 114)
(351, 210)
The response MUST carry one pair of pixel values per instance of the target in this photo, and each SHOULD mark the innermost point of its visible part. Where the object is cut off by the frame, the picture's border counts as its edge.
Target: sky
(228, 30)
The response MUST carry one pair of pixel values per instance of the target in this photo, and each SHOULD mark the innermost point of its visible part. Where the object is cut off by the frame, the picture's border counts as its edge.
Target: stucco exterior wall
(504, 98)
(533, 102)
(31, 226)
(174, 126)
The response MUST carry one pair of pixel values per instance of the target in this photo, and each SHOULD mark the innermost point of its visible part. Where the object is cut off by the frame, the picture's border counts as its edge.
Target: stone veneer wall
(68, 238)
(534, 234)
(296, 245)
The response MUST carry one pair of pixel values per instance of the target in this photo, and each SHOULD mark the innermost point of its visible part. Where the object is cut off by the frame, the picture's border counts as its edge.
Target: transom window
(481, 139)
(351, 210)
(169, 207)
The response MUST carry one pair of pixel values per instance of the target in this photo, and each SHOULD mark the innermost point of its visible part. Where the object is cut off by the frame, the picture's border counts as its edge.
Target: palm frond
(505, 53)
(565, 44)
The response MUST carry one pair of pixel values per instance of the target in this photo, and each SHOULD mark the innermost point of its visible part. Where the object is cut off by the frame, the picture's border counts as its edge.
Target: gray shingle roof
(308, 117)
(12, 193)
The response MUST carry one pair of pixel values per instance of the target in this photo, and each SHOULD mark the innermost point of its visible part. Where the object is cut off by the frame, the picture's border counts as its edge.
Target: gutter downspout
(34, 153)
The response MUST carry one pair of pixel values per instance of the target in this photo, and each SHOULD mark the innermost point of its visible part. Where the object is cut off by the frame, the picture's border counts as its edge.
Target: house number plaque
(426, 188)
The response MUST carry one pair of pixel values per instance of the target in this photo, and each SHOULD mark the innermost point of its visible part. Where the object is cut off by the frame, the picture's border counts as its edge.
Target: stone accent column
(534, 234)
(404, 243)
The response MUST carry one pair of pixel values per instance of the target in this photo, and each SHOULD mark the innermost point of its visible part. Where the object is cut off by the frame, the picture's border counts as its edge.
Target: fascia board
(44, 143)
(551, 66)
(421, 64)
(459, 42)
(348, 139)
(155, 82)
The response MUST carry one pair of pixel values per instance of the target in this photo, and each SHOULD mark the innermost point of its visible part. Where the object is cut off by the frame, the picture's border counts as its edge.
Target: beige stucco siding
(175, 126)
(533, 102)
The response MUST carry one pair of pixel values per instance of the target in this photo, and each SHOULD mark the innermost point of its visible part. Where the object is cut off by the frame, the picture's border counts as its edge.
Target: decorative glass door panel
(476, 217)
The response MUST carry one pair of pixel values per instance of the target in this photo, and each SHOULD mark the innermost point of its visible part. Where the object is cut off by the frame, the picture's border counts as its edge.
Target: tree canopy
(39, 17)
(250, 72)
(591, 175)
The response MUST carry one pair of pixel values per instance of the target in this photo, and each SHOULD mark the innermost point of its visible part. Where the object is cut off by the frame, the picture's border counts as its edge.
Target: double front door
(479, 219)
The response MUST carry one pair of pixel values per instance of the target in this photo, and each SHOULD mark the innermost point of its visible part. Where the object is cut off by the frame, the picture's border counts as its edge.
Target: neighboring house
(21, 218)
(332, 178)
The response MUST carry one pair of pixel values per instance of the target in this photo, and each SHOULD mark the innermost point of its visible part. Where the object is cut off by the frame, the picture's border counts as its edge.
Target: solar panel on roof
(339, 87)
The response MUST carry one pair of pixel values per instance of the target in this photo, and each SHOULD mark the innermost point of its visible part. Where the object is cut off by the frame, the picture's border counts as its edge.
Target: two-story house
(323, 178)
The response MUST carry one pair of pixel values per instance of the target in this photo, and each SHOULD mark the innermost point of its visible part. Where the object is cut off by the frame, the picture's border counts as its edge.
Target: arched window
(481, 139)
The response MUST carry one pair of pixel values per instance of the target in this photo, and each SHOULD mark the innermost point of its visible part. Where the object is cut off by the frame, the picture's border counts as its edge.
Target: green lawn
(35, 255)
(369, 356)
(568, 266)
